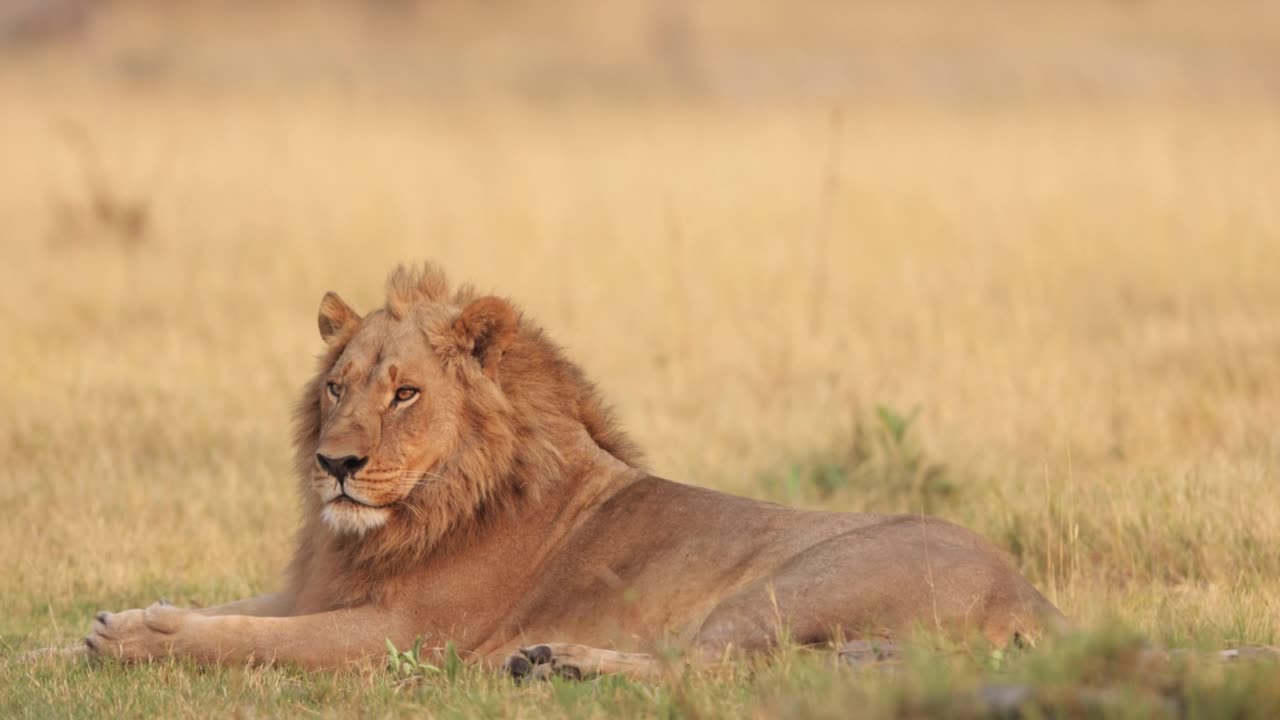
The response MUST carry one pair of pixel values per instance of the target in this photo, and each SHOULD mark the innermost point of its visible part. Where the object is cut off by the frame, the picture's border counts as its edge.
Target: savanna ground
(1014, 268)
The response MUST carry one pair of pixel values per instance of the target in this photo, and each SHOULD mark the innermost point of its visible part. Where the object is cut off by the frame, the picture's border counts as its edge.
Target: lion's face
(390, 404)
(386, 415)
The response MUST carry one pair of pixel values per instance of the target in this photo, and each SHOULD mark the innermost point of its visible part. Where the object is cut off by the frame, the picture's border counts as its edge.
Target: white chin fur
(348, 518)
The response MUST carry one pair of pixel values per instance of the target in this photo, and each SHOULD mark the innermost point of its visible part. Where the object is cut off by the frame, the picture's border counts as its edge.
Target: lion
(462, 481)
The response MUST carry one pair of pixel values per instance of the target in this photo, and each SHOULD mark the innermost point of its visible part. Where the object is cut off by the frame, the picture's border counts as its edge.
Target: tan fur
(501, 503)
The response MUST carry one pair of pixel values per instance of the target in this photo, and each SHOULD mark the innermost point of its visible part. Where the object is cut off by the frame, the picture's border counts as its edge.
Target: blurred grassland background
(1014, 264)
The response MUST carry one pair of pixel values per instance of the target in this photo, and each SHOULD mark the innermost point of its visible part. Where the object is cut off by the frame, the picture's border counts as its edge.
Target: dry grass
(1081, 297)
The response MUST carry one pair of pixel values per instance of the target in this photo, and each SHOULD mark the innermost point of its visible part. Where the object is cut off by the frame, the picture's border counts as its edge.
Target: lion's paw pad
(540, 662)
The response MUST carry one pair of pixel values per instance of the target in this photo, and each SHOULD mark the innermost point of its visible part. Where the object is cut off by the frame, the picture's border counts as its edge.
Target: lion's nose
(342, 467)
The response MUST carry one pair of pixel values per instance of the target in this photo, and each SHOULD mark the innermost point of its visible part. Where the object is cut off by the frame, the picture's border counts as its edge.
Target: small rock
(859, 653)
(1005, 699)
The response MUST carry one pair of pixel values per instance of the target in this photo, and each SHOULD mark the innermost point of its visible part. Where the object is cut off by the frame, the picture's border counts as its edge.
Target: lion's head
(428, 413)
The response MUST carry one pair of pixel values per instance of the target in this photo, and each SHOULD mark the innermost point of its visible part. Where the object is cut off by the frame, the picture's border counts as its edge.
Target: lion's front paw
(575, 662)
(137, 634)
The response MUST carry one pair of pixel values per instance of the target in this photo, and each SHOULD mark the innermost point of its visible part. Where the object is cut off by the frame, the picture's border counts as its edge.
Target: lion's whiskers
(413, 476)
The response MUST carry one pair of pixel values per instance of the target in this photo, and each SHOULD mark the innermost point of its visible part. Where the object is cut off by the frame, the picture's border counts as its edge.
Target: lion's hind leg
(885, 581)
(577, 662)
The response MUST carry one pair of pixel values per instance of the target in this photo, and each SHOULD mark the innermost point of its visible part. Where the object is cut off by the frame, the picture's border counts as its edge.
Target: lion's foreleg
(323, 640)
(272, 605)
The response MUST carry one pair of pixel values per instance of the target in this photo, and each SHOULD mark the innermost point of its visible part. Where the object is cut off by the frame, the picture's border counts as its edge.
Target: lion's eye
(335, 390)
(406, 393)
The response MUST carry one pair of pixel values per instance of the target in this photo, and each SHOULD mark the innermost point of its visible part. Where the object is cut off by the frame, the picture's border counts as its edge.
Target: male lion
(461, 480)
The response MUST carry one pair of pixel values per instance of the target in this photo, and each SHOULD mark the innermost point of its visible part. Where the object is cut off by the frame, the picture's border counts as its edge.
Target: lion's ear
(485, 329)
(335, 316)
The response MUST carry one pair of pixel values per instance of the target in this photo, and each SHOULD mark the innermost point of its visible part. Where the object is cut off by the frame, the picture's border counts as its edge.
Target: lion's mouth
(345, 499)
